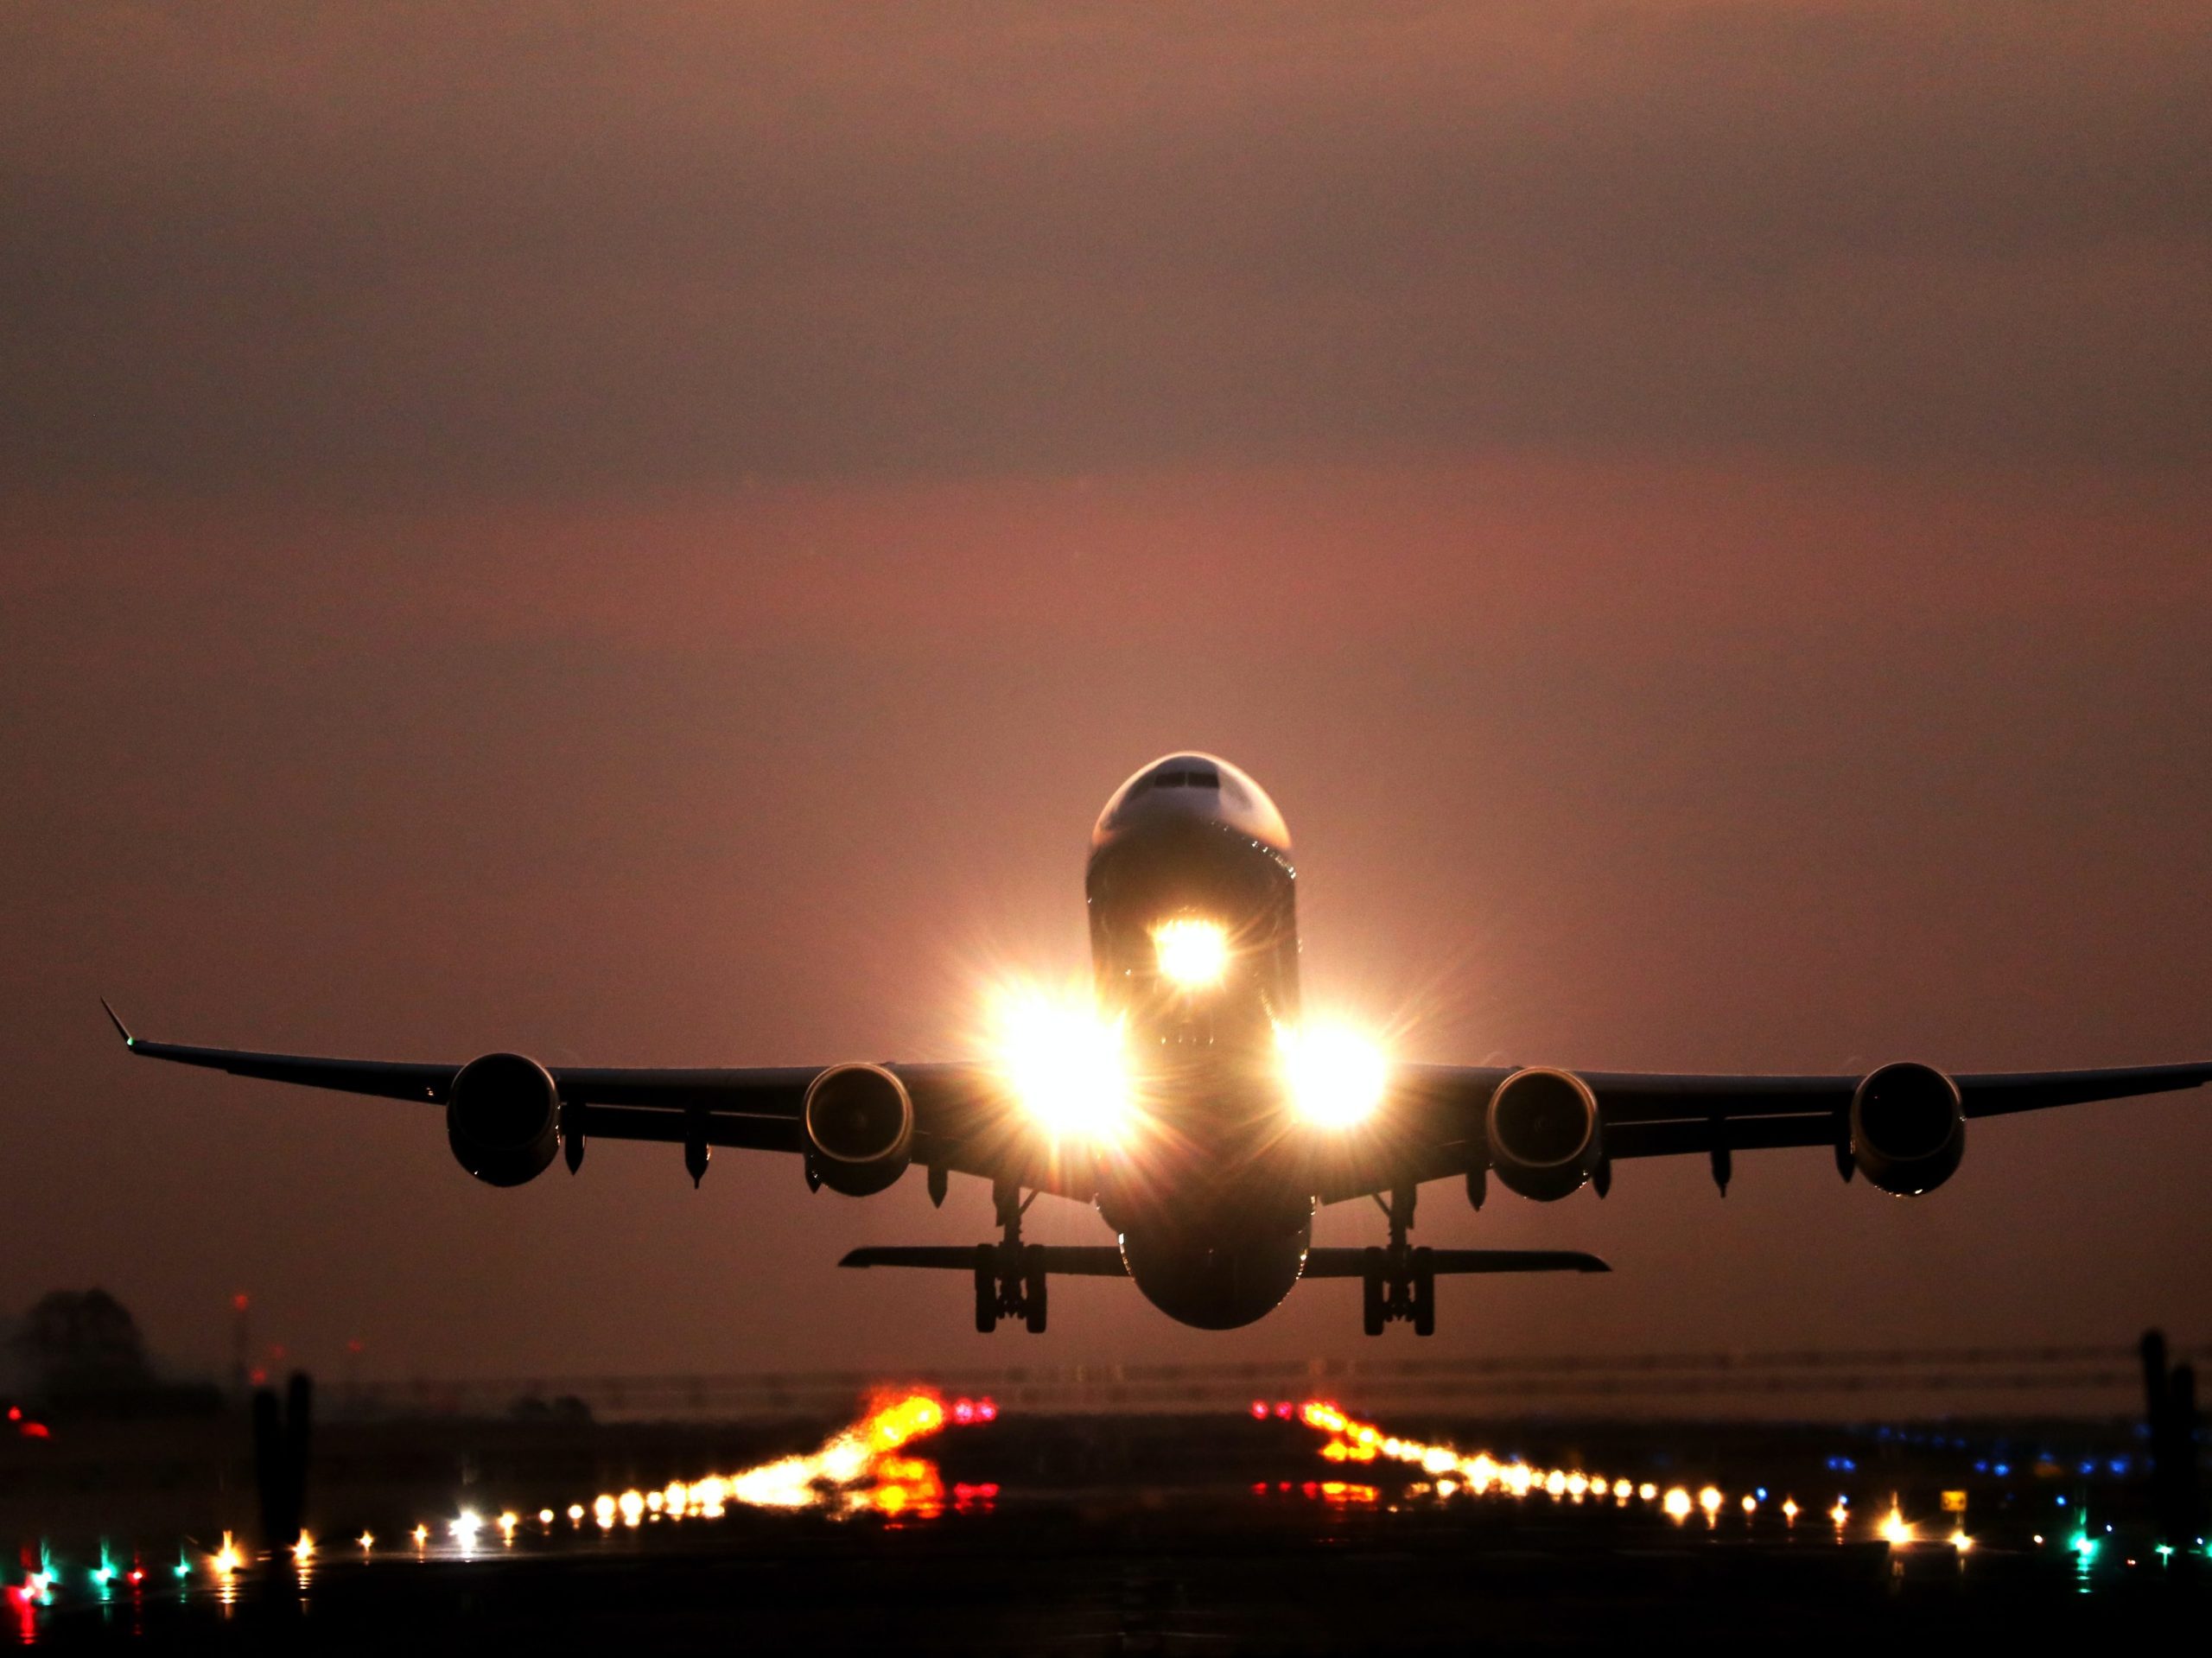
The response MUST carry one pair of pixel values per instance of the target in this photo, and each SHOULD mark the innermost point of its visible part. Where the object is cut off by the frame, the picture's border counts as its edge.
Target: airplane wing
(1649, 1115)
(1434, 1125)
(961, 1122)
(1432, 1128)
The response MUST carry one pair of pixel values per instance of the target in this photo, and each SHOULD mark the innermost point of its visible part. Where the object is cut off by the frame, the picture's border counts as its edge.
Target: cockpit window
(1231, 798)
(1196, 777)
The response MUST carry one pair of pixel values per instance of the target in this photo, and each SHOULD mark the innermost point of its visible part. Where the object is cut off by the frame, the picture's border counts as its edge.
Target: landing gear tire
(1424, 1295)
(1033, 1287)
(987, 1289)
(1374, 1311)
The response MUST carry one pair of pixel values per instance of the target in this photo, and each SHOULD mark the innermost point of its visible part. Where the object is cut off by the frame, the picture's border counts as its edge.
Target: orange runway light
(856, 1469)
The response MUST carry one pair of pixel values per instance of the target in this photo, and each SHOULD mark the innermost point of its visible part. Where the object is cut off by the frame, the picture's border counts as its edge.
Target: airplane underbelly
(1214, 1280)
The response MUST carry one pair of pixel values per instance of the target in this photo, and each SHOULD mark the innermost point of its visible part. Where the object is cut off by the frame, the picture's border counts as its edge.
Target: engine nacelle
(503, 1119)
(1908, 1129)
(859, 1121)
(1544, 1133)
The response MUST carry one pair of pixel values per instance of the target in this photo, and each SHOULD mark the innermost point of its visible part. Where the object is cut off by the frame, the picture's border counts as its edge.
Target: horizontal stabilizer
(1352, 1263)
(1060, 1259)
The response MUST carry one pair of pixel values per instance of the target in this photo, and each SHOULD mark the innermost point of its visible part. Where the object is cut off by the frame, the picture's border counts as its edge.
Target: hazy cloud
(421, 250)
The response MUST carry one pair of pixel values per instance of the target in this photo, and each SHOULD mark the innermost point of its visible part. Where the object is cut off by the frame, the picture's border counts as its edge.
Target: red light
(986, 1411)
(1260, 1487)
(35, 1431)
(963, 1411)
(1259, 1410)
(15, 1413)
(1284, 1411)
(135, 1575)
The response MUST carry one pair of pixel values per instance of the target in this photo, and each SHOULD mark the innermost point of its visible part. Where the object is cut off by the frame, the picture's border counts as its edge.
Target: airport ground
(1223, 1531)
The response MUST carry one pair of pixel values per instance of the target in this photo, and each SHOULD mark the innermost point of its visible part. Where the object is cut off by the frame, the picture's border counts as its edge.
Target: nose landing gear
(1398, 1283)
(1010, 1275)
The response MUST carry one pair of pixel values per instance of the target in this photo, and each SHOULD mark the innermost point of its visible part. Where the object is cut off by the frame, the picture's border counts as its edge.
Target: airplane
(1193, 1107)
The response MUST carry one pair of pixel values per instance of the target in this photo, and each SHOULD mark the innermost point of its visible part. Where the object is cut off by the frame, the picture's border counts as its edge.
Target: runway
(1251, 1532)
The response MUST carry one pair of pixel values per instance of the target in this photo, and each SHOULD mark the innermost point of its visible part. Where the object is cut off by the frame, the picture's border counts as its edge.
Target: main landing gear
(1399, 1281)
(1010, 1274)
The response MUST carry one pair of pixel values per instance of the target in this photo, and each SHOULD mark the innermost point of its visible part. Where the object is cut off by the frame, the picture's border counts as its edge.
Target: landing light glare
(1065, 1064)
(1193, 953)
(1337, 1076)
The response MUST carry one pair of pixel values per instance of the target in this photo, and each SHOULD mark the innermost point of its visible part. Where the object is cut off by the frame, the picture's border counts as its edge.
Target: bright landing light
(1337, 1076)
(1064, 1063)
(1192, 953)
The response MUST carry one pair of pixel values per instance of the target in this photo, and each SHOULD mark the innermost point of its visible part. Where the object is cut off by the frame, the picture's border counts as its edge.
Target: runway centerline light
(1193, 952)
(1337, 1077)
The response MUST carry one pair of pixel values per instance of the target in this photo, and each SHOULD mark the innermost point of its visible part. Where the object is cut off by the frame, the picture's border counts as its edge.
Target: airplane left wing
(962, 1123)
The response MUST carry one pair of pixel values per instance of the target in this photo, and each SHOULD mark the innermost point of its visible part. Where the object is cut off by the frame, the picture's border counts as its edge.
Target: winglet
(116, 1020)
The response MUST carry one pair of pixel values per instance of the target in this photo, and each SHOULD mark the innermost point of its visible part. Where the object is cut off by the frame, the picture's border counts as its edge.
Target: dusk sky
(646, 535)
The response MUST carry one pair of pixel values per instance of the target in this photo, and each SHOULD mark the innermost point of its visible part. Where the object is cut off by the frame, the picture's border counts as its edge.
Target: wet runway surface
(1197, 1536)
(1165, 1573)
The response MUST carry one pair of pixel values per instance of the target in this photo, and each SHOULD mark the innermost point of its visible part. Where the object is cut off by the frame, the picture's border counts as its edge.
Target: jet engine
(503, 1119)
(859, 1121)
(1544, 1133)
(1908, 1129)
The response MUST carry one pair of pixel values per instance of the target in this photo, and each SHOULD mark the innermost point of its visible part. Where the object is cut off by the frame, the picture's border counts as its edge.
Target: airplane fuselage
(1213, 1214)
